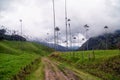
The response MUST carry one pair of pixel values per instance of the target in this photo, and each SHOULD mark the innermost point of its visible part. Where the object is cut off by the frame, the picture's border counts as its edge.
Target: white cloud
(37, 16)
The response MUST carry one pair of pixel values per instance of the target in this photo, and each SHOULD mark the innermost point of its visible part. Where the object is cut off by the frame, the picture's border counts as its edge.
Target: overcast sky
(37, 16)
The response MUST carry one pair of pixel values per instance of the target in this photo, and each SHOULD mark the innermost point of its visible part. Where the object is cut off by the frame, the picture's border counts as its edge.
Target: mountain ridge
(99, 43)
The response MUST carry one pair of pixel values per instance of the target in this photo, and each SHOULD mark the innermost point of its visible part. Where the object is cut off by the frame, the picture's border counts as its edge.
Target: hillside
(13, 37)
(32, 61)
(17, 59)
(99, 42)
(100, 63)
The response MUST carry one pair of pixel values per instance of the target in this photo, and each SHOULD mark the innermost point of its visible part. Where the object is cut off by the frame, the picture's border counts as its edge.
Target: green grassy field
(16, 56)
(23, 60)
(102, 63)
(89, 56)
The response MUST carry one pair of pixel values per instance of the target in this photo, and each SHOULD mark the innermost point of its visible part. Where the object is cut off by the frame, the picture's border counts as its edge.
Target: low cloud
(37, 16)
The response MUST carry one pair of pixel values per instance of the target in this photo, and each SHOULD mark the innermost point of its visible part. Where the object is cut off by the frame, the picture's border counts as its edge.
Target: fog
(37, 17)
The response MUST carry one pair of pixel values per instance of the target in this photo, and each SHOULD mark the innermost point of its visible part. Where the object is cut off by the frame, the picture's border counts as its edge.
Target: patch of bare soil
(52, 72)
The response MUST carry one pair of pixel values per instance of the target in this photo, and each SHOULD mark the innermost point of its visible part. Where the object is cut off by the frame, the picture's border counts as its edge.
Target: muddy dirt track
(53, 72)
(51, 69)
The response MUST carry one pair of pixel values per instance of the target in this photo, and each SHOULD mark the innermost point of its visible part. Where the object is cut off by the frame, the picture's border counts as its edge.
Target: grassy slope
(14, 56)
(105, 64)
(38, 74)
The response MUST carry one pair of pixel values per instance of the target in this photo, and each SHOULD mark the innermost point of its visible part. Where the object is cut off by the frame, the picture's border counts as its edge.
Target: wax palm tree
(70, 34)
(106, 45)
(57, 29)
(48, 39)
(54, 22)
(86, 26)
(86, 30)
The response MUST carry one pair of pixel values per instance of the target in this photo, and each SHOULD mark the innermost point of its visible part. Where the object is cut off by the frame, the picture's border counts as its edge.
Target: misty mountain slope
(51, 45)
(99, 42)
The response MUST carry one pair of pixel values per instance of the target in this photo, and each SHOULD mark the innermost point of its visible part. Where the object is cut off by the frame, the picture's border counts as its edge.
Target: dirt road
(53, 72)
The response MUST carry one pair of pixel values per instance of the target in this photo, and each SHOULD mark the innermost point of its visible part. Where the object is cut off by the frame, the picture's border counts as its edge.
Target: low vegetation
(38, 73)
(26, 61)
(18, 59)
(102, 63)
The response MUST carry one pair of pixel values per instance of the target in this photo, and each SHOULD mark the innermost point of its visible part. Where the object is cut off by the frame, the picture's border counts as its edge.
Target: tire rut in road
(52, 72)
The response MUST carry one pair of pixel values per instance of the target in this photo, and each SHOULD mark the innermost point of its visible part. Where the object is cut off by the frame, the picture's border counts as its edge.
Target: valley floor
(54, 70)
